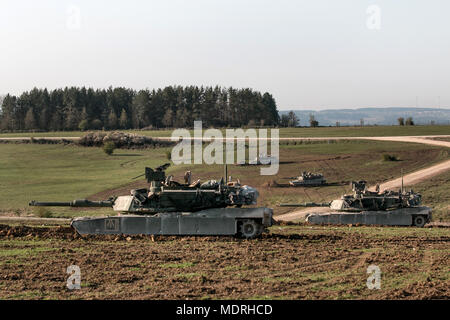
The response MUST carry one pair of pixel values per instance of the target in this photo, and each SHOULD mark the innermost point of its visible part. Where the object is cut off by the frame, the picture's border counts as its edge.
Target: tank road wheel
(418, 221)
(250, 229)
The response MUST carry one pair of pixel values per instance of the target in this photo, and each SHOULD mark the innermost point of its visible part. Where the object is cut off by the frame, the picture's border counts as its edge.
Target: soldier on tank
(187, 177)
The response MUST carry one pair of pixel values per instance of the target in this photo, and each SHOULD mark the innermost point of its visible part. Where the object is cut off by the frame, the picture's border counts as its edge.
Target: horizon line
(358, 108)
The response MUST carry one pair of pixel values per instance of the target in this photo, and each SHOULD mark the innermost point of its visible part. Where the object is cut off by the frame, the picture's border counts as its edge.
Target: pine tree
(30, 121)
(9, 104)
(112, 120)
(123, 121)
(5, 123)
(55, 122)
(84, 115)
(168, 118)
(72, 119)
(44, 119)
(139, 106)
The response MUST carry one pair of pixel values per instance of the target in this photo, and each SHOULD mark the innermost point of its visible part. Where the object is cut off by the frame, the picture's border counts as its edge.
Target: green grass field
(59, 173)
(284, 132)
(436, 194)
(365, 131)
(63, 173)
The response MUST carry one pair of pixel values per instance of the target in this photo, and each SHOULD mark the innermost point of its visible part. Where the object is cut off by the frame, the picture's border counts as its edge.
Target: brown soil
(292, 262)
(59, 232)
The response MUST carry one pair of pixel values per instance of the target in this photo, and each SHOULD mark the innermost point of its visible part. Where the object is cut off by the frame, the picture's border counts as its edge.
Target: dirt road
(408, 180)
(415, 139)
(416, 177)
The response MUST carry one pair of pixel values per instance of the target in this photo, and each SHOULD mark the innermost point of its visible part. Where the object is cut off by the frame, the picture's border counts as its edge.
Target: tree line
(80, 108)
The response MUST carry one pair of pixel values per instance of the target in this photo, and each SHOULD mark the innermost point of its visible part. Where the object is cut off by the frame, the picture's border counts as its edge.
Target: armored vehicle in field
(308, 179)
(372, 208)
(168, 207)
(261, 159)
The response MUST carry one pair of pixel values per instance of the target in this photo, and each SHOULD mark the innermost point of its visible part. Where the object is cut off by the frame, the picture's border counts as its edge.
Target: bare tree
(293, 119)
(312, 121)
(409, 121)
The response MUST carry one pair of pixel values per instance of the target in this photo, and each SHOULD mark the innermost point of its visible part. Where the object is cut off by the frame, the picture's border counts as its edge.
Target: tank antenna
(402, 180)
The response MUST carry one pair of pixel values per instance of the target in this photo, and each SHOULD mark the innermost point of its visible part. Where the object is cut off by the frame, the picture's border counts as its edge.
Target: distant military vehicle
(261, 159)
(308, 179)
(372, 208)
(172, 208)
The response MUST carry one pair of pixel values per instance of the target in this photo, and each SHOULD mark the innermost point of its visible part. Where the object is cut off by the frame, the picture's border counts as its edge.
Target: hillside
(371, 116)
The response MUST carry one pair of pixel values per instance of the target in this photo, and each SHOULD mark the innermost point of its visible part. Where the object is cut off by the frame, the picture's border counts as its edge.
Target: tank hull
(221, 221)
(398, 217)
(307, 183)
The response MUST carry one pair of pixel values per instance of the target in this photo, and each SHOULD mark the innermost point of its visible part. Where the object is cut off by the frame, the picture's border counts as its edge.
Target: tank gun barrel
(141, 175)
(74, 203)
(306, 204)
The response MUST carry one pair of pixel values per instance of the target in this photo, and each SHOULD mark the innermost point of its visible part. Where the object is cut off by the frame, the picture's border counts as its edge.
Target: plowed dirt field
(290, 262)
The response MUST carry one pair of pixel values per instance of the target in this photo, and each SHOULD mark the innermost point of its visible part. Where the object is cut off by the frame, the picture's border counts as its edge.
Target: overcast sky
(312, 54)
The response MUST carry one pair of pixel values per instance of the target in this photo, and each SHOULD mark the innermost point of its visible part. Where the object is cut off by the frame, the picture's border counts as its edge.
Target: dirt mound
(121, 140)
(312, 237)
(271, 183)
(286, 223)
(59, 232)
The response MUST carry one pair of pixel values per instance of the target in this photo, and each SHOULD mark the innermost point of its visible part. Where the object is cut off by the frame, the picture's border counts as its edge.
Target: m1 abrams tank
(262, 159)
(172, 208)
(308, 179)
(372, 208)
